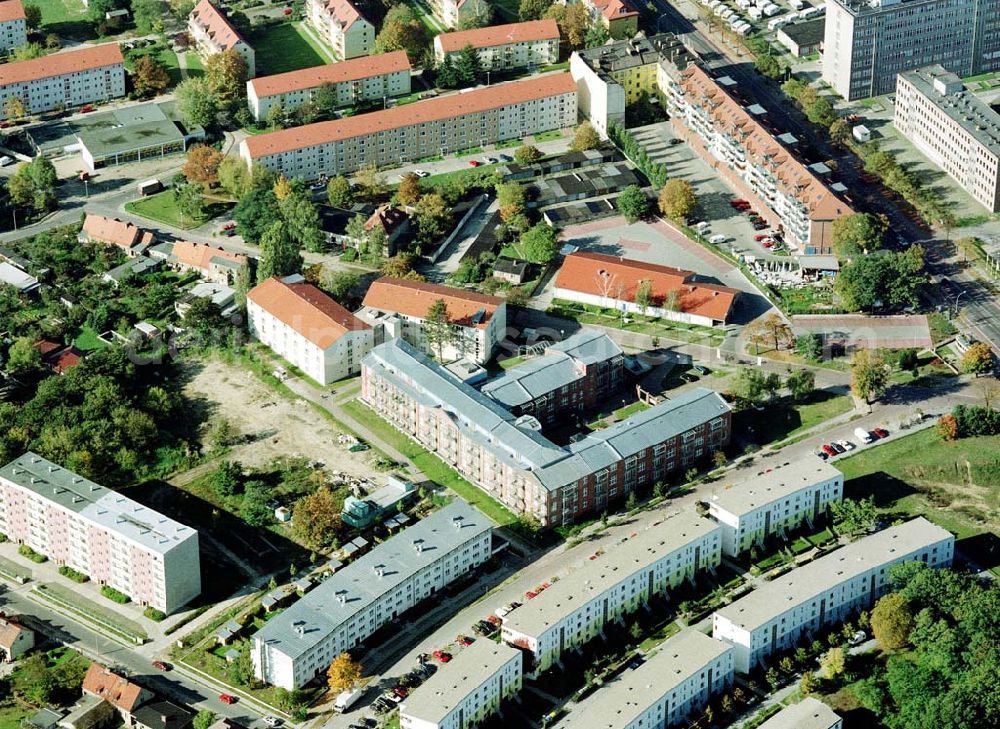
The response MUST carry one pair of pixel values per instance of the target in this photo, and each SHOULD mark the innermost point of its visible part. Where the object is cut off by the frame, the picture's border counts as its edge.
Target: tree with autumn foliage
(316, 518)
(227, 74)
(343, 673)
(408, 192)
(149, 77)
(202, 166)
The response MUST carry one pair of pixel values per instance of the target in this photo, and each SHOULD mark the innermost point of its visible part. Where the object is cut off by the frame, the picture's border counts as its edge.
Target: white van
(756, 14)
(771, 9)
(863, 435)
(718, 239)
(796, 4)
(809, 13)
(775, 23)
(701, 226)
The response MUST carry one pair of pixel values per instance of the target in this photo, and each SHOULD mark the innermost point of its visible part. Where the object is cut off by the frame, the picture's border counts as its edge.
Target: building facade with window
(501, 47)
(84, 75)
(342, 26)
(112, 539)
(771, 501)
(361, 79)
(619, 17)
(437, 126)
(829, 590)
(213, 33)
(465, 691)
(343, 611)
(13, 25)
(574, 611)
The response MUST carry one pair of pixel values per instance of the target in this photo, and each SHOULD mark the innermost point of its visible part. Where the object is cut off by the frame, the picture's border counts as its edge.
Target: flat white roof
(772, 484)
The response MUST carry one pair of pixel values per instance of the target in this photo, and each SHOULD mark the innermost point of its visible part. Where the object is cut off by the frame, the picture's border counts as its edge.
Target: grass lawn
(549, 135)
(506, 364)
(169, 60)
(637, 407)
(162, 208)
(433, 467)
(195, 67)
(426, 16)
(286, 47)
(509, 9)
(781, 421)
(12, 714)
(55, 12)
(87, 340)
(482, 172)
(807, 300)
(586, 314)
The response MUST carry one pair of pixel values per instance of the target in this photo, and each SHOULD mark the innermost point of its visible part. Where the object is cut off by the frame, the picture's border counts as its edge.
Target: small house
(15, 640)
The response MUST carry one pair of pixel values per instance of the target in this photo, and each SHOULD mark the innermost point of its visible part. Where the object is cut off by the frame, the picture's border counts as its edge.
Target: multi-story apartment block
(424, 128)
(616, 74)
(501, 47)
(612, 282)
(573, 375)
(343, 611)
(212, 33)
(752, 162)
(354, 81)
(809, 713)
(83, 75)
(131, 240)
(13, 25)
(575, 610)
(868, 42)
(308, 328)
(775, 615)
(677, 678)
(107, 536)
(466, 691)
(398, 308)
(462, 13)
(509, 459)
(620, 17)
(342, 26)
(773, 500)
(954, 128)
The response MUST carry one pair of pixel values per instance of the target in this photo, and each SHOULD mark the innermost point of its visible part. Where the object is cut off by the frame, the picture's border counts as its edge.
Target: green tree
(27, 52)
(401, 30)
(809, 346)
(196, 102)
(433, 217)
(820, 112)
(468, 67)
(241, 671)
(859, 233)
(276, 116)
(526, 154)
(34, 185)
(532, 9)
(303, 220)
(510, 198)
(203, 719)
(677, 199)
(340, 284)
(750, 385)
(339, 193)
(633, 203)
(32, 16)
(255, 214)
(833, 663)
(854, 517)
(841, 132)
(892, 621)
(226, 73)
(279, 253)
(538, 244)
(148, 18)
(253, 508)
(227, 479)
(203, 317)
(801, 383)
(644, 294)
(769, 66)
(190, 200)
(234, 177)
(24, 359)
(326, 100)
(447, 74)
(149, 77)
(573, 21)
(437, 327)
(585, 137)
(869, 375)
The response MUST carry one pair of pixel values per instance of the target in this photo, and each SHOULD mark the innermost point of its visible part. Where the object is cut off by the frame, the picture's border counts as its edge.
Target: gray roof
(859, 8)
(809, 713)
(625, 54)
(807, 32)
(482, 419)
(621, 701)
(130, 128)
(310, 620)
(772, 484)
(99, 505)
(13, 276)
(137, 266)
(772, 599)
(446, 689)
(573, 591)
(163, 715)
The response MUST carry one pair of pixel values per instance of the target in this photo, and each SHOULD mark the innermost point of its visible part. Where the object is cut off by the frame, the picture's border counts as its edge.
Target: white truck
(863, 435)
(346, 699)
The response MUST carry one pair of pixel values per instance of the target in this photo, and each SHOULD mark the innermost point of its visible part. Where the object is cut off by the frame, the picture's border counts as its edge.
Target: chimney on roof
(457, 521)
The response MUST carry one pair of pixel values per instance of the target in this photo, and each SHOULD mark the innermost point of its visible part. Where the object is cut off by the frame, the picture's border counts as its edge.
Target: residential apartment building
(397, 307)
(954, 128)
(212, 263)
(619, 17)
(829, 590)
(107, 536)
(773, 500)
(374, 590)
(809, 713)
(132, 241)
(83, 75)
(868, 42)
(610, 76)
(425, 128)
(612, 282)
(308, 328)
(13, 25)
(574, 375)
(679, 677)
(212, 33)
(354, 81)
(501, 47)
(465, 691)
(754, 164)
(508, 458)
(462, 13)
(573, 611)
(342, 26)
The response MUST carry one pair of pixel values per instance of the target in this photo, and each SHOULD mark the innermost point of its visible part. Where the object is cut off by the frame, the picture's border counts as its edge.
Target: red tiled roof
(58, 64)
(200, 255)
(428, 110)
(216, 24)
(344, 12)
(306, 309)
(614, 9)
(388, 217)
(498, 35)
(114, 231)
(64, 359)
(10, 629)
(333, 73)
(618, 278)
(11, 10)
(414, 298)
(113, 688)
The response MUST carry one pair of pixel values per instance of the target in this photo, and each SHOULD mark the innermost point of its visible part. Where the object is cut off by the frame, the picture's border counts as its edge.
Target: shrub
(114, 595)
(153, 614)
(67, 571)
(25, 551)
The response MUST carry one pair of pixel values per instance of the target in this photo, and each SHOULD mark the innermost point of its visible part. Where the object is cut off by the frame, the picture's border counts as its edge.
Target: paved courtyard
(858, 331)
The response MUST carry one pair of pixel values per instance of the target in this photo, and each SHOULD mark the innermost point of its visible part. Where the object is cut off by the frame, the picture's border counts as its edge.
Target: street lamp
(957, 298)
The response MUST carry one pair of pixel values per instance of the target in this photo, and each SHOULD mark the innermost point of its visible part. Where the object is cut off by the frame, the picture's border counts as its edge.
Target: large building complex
(467, 690)
(575, 610)
(775, 615)
(809, 713)
(509, 459)
(213, 33)
(308, 328)
(13, 25)
(422, 129)
(611, 282)
(615, 74)
(375, 589)
(954, 128)
(752, 162)
(353, 82)
(107, 536)
(767, 503)
(83, 75)
(868, 42)
(574, 375)
(679, 677)
(342, 26)
(500, 47)
(397, 307)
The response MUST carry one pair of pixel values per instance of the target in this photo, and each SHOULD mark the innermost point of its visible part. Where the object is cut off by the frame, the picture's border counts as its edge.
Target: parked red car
(829, 450)
(473, 163)
(881, 432)
(760, 236)
(86, 109)
(161, 666)
(465, 640)
(227, 699)
(287, 11)
(401, 692)
(442, 656)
